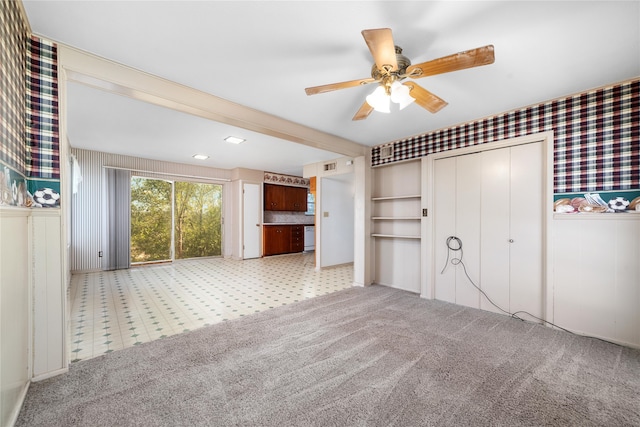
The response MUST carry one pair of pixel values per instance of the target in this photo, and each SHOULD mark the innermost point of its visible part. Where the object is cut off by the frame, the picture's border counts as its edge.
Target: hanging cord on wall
(454, 244)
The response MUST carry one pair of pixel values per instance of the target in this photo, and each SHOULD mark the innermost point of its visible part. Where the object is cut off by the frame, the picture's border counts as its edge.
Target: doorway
(337, 220)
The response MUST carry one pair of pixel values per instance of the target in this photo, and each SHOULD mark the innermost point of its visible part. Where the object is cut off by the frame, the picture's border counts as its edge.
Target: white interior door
(526, 229)
(251, 221)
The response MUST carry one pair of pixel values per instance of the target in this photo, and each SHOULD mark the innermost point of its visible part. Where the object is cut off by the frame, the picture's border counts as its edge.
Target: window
(311, 204)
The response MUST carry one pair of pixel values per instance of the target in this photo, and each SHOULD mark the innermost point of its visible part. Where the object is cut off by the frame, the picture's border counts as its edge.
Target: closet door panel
(468, 176)
(444, 205)
(526, 229)
(494, 246)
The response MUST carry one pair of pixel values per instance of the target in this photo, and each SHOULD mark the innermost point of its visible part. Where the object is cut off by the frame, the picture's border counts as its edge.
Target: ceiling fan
(391, 68)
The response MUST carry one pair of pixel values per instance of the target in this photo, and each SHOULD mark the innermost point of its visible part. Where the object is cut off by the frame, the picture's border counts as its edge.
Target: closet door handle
(510, 240)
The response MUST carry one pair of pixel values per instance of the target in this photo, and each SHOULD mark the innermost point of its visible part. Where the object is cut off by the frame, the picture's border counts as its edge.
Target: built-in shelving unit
(396, 207)
(395, 236)
(382, 218)
(396, 216)
(396, 197)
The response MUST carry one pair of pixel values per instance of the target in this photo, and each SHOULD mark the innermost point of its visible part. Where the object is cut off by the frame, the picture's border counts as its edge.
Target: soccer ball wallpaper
(46, 197)
(618, 204)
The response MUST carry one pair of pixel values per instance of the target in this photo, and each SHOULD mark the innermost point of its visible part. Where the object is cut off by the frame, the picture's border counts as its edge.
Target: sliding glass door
(151, 213)
(174, 220)
(198, 220)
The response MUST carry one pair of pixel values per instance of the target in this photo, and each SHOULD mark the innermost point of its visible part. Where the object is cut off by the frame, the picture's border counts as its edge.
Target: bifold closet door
(457, 213)
(492, 201)
(525, 260)
(494, 226)
(444, 207)
(468, 203)
(511, 228)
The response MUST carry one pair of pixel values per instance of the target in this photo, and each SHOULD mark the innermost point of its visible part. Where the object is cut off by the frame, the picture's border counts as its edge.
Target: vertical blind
(118, 183)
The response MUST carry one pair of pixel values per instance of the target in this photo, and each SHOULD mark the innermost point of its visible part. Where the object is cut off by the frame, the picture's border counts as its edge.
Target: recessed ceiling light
(200, 156)
(234, 140)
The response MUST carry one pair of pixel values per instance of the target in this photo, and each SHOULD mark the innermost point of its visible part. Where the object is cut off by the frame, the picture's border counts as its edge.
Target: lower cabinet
(297, 238)
(282, 239)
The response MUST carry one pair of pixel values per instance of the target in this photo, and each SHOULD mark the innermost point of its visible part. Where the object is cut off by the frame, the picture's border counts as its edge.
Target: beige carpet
(360, 357)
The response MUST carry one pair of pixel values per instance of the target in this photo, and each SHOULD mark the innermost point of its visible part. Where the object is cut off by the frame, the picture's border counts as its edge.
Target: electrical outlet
(100, 254)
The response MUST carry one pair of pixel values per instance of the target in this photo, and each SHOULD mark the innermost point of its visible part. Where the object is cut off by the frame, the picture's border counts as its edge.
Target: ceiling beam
(91, 70)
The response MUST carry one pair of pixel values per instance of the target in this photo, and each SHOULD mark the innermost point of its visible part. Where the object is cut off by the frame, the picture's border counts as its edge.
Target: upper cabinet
(274, 197)
(285, 198)
(295, 199)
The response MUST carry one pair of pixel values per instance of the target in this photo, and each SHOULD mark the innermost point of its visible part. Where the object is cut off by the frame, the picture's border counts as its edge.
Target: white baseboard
(16, 410)
(51, 374)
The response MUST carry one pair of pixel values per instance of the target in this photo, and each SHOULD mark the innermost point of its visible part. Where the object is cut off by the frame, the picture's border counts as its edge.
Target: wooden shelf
(395, 236)
(396, 197)
(408, 218)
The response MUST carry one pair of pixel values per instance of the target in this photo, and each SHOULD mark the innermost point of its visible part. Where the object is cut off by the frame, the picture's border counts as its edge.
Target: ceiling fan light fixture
(400, 94)
(379, 100)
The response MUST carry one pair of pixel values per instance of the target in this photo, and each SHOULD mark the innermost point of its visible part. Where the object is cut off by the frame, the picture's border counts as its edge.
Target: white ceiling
(263, 54)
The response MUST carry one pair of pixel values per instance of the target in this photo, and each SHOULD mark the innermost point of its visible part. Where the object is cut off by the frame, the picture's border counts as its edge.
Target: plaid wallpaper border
(43, 139)
(13, 39)
(596, 146)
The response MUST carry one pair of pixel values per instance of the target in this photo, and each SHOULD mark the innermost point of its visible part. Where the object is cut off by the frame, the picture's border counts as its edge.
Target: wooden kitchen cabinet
(276, 239)
(297, 238)
(285, 198)
(274, 197)
(282, 239)
(296, 199)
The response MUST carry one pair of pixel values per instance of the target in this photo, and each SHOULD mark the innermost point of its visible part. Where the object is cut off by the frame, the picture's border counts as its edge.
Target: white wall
(596, 275)
(362, 213)
(337, 220)
(50, 356)
(14, 311)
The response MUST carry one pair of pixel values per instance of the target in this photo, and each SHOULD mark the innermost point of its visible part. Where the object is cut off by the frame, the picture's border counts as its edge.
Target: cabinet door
(277, 239)
(296, 199)
(274, 197)
(297, 238)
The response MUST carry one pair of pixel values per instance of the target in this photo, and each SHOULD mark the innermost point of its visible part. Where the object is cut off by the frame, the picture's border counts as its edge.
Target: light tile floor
(112, 310)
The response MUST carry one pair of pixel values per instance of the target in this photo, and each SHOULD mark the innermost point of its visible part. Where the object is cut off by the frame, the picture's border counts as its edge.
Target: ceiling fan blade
(383, 50)
(457, 61)
(335, 86)
(424, 98)
(363, 112)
